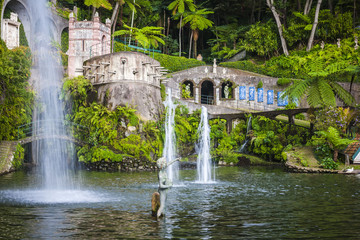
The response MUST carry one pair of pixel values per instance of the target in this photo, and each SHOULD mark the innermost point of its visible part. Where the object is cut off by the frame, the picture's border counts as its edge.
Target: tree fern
(342, 94)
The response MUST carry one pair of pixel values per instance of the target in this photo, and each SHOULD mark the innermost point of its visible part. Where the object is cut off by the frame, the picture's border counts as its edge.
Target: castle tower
(10, 31)
(87, 39)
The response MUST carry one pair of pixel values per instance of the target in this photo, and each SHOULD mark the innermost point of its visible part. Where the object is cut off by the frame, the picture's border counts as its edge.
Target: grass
(297, 122)
(303, 154)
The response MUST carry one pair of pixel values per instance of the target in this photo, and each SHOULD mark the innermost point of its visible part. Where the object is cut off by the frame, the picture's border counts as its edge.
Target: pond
(244, 203)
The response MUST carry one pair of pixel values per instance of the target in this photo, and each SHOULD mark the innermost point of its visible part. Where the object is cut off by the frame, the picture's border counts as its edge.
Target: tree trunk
(191, 38)
(167, 33)
(312, 34)
(114, 18)
(299, 5)
(196, 37)
(351, 83)
(330, 5)
(252, 16)
(132, 23)
(180, 27)
(336, 153)
(270, 4)
(259, 12)
(307, 7)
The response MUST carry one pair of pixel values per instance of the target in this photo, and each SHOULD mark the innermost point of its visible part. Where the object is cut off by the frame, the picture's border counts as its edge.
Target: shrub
(329, 163)
(174, 64)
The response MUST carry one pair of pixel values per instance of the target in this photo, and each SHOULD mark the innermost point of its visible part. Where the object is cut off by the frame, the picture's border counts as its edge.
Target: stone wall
(127, 164)
(238, 78)
(127, 78)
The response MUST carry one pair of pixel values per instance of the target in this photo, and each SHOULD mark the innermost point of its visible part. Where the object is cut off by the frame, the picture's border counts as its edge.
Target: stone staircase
(7, 151)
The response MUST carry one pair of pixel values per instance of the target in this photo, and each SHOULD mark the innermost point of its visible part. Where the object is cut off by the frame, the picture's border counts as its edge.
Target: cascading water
(205, 170)
(51, 153)
(248, 128)
(170, 140)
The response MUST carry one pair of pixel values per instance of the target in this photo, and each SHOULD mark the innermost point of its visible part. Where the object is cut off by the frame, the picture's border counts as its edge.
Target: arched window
(103, 45)
(207, 92)
(227, 90)
(187, 89)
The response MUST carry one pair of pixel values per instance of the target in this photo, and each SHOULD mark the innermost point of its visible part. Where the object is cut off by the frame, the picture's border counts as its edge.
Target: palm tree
(198, 21)
(178, 6)
(147, 37)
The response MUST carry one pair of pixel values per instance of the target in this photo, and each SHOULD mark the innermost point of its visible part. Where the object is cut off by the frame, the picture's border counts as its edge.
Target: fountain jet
(205, 170)
(170, 139)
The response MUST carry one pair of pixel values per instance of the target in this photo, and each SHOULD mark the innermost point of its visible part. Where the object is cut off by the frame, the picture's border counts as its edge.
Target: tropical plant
(179, 6)
(260, 39)
(97, 4)
(334, 140)
(146, 36)
(198, 21)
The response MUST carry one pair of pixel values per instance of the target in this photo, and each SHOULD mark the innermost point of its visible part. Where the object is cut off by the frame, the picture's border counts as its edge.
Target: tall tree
(179, 6)
(197, 21)
(279, 25)
(312, 34)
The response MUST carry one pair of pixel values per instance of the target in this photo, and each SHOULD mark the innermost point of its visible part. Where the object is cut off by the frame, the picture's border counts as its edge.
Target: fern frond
(298, 89)
(342, 94)
(313, 97)
(326, 92)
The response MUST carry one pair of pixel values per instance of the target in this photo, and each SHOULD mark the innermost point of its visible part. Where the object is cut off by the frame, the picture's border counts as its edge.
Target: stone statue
(199, 57)
(214, 66)
(187, 90)
(356, 43)
(338, 43)
(226, 91)
(164, 183)
(322, 45)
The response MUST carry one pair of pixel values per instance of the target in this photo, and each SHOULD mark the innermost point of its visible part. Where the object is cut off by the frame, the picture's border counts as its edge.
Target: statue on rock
(164, 183)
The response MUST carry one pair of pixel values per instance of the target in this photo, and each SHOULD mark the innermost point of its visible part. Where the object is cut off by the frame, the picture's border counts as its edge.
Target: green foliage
(75, 92)
(284, 81)
(163, 92)
(260, 84)
(98, 4)
(329, 163)
(174, 64)
(197, 19)
(18, 160)
(260, 39)
(16, 96)
(147, 36)
(267, 138)
(186, 126)
(184, 92)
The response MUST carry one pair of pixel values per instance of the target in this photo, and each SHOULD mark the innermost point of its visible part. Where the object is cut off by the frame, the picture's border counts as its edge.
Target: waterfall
(170, 139)
(205, 170)
(51, 153)
(248, 128)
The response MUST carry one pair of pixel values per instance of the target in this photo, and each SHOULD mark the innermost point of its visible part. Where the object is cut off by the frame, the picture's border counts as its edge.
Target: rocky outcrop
(7, 151)
(298, 169)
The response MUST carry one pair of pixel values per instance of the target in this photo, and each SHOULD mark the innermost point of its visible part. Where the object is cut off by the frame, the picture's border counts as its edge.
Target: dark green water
(244, 203)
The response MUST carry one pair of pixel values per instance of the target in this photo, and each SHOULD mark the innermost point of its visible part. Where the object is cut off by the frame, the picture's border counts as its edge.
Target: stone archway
(187, 89)
(207, 92)
(24, 13)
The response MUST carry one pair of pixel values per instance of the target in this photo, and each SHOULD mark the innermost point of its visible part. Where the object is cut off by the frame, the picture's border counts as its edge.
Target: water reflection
(244, 203)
